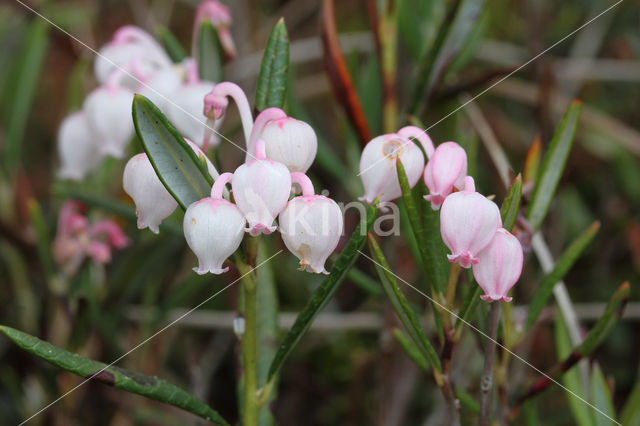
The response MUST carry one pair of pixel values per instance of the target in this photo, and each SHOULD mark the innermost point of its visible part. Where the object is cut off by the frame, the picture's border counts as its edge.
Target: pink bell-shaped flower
(185, 110)
(499, 266)
(446, 168)
(287, 140)
(310, 226)
(77, 148)
(108, 110)
(261, 189)
(213, 228)
(153, 201)
(378, 163)
(468, 222)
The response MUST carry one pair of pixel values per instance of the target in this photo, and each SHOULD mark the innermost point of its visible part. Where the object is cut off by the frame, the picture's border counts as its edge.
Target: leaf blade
(176, 164)
(150, 387)
(511, 204)
(209, 53)
(272, 80)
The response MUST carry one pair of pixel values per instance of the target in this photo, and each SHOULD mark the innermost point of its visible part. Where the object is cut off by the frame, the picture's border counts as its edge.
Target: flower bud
(261, 189)
(108, 111)
(446, 168)
(499, 266)
(378, 166)
(468, 222)
(153, 201)
(77, 147)
(213, 228)
(185, 110)
(291, 142)
(311, 226)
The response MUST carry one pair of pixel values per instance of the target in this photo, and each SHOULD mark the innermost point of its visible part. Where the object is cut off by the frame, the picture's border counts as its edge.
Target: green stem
(388, 45)
(454, 274)
(249, 355)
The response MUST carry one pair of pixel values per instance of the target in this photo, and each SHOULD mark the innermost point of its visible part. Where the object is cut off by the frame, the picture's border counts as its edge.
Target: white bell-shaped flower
(160, 86)
(108, 110)
(186, 109)
(77, 148)
(378, 163)
(213, 228)
(287, 140)
(153, 201)
(261, 189)
(311, 226)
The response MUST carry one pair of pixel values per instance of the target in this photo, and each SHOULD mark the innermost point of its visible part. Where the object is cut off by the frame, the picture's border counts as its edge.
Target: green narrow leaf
(553, 165)
(25, 303)
(325, 291)
(174, 49)
(272, 80)
(177, 165)
(449, 41)
(601, 398)
(401, 306)
(209, 54)
(467, 400)
(26, 79)
(42, 237)
(572, 379)
(631, 412)
(150, 387)
(417, 23)
(411, 350)
(563, 264)
(511, 204)
(427, 233)
(469, 303)
(364, 281)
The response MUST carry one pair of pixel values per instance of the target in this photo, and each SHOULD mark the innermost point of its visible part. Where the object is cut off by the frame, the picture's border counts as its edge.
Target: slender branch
(486, 386)
(447, 387)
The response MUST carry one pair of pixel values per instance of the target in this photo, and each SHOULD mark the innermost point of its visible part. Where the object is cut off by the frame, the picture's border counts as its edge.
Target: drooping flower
(310, 226)
(446, 168)
(213, 228)
(261, 189)
(216, 103)
(468, 222)
(76, 238)
(499, 266)
(77, 147)
(287, 140)
(108, 111)
(378, 163)
(153, 201)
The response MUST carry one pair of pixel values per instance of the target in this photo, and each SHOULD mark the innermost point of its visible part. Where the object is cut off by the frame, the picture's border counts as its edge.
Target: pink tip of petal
(436, 200)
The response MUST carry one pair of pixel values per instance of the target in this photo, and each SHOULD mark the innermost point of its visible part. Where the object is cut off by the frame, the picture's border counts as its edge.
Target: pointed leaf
(150, 387)
(631, 412)
(411, 350)
(562, 266)
(272, 80)
(325, 291)
(553, 165)
(209, 54)
(174, 49)
(511, 204)
(469, 303)
(601, 398)
(177, 165)
(400, 304)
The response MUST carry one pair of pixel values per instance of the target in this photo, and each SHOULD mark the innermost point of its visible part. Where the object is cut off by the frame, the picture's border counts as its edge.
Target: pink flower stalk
(213, 228)
(287, 140)
(310, 226)
(261, 189)
(220, 18)
(77, 239)
(77, 147)
(216, 103)
(378, 163)
(446, 168)
(468, 222)
(185, 109)
(499, 266)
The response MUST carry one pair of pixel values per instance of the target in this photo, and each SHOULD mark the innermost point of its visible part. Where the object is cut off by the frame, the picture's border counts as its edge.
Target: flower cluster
(470, 223)
(77, 239)
(134, 62)
(280, 150)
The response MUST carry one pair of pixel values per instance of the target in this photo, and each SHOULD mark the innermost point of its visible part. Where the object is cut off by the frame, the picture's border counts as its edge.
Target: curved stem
(232, 90)
(115, 78)
(132, 33)
(304, 182)
(422, 137)
(260, 122)
(260, 152)
(192, 71)
(486, 385)
(218, 185)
